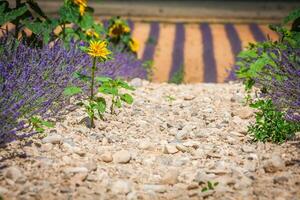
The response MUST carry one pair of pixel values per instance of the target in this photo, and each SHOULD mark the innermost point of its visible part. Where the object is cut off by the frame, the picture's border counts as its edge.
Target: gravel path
(167, 145)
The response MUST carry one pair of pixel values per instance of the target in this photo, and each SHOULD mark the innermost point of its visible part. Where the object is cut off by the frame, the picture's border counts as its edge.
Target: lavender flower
(282, 81)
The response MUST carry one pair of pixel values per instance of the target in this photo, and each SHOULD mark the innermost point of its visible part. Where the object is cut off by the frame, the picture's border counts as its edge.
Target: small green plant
(112, 87)
(95, 104)
(99, 52)
(178, 76)
(39, 125)
(149, 66)
(170, 99)
(270, 124)
(209, 186)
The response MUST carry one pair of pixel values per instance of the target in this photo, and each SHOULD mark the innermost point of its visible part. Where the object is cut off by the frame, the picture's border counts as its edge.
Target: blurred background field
(191, 41)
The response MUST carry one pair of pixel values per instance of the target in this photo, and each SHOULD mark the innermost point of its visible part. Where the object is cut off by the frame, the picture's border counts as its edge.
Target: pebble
(155, 188)
(274, 164)
(136, 82)
(46, 147)
(76, 170)
(144, 145)
(13, 173)
(107, 157)
(244, 113)
(121, 187)
(122, 157)
(170, 177)
(53, 139)
(170, 149)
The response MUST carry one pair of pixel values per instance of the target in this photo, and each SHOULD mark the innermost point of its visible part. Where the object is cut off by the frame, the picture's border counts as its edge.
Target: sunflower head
(118, 29)
(82, 4)
(134, 45)
(98, 49)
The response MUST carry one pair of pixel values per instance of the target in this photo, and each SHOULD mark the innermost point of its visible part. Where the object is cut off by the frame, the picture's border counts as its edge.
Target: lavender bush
(32, 81)
(282, 83)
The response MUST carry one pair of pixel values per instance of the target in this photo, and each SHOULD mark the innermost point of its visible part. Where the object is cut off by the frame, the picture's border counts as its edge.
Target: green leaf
(102, 79)
(70, 91)
(292, 16)
(216, 183)
(47, 124)
(100, 104)
(210, 186)
(12, 15)
(86, 21)
(35, 120)
(82, 77)
(127, 98)
(39, 129)
(248, 54)
(106, 89)
(118, 103)
(124, 85)
(204, 189)
(69, 13)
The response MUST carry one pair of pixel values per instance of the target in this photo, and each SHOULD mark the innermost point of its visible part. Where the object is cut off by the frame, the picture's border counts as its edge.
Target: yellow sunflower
(134, 45)
(98, 49)
(118, 29)
(82, 5)
(92, 33)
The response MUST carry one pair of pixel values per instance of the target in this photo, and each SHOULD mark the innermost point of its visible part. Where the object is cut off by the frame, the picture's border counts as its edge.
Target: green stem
(64, 31)
(112, 105)
(92, 89)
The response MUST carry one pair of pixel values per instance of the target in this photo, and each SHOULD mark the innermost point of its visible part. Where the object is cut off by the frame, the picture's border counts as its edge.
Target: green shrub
(270, 124)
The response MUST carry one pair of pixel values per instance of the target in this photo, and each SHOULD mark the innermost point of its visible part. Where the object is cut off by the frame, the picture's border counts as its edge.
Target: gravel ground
(167, 145)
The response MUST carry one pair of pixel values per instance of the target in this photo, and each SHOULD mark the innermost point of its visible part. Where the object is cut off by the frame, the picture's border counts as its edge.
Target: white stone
(122, 156)
(155, 188)
(54, 139)
(106, 157)
(76, 170)
(170, 149)
(121, 187)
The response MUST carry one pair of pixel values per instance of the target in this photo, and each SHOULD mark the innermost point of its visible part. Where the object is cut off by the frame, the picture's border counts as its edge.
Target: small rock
(53, 139)
(243, 113)
(193, 186)
(181, 148)
(170, 177)
(46, 147)
(136, 82)
(121, 187)
(106, 157)
(189, 97)
(13, 173)
(144, 145)
(155, 188)
(122, 156)
(247, 149)
(193, 144)
(76, 170)
(105, 141)
(274, 164)
(78, 151)
(170, 149)
(280, 179)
